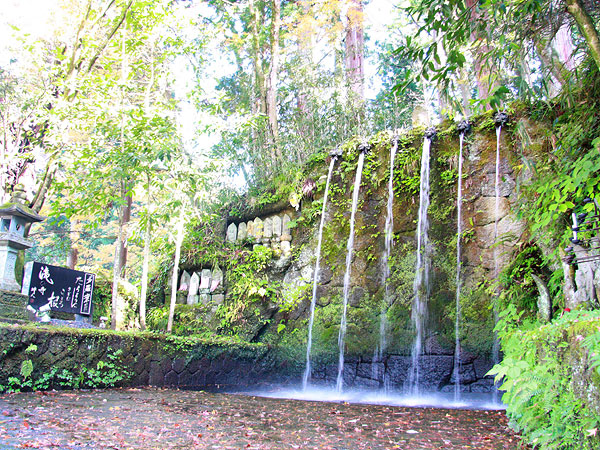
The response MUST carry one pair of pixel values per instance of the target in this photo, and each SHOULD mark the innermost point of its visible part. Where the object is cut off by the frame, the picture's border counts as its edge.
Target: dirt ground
(152, 418)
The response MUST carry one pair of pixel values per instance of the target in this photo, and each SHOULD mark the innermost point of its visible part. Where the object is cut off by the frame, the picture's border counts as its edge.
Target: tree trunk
(259, 76)
(125, 218)
(73, 255)
(556, 77)
(147, 237)
(178, 242)
(483, 74)
(564, 46)
(355, 43)
(586, 27)
(116, 321)
(271, 91)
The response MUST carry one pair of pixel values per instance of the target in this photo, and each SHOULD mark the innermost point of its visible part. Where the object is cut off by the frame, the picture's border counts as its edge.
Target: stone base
(13, 306)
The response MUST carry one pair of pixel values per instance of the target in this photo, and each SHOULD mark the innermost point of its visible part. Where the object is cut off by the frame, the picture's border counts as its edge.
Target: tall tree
(70, 60)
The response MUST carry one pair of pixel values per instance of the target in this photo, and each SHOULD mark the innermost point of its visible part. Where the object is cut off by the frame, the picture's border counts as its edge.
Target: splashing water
(307, 371)
(389, 242)
(458, 270)
(350, 247)
(421, 283)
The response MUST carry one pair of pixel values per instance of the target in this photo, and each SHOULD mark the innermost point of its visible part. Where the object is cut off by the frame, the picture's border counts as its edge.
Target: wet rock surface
(166, 419)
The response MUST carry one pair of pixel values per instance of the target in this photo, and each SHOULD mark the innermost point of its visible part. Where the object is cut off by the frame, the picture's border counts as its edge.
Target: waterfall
(421, 283)
(385, 270)
(350, 247)
(307, 371)
(463, 128)
(500, 120)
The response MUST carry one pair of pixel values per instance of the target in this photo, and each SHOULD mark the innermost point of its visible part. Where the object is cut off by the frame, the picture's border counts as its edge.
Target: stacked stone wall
(151, 359)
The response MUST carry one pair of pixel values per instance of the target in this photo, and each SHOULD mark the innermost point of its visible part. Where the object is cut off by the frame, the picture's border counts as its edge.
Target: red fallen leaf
(26, 424)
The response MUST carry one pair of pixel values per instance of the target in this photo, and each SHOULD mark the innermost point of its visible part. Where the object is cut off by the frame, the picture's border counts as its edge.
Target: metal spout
(464, 127)
(336, 152)
(364, 147)
(501, 119)
(430, 133)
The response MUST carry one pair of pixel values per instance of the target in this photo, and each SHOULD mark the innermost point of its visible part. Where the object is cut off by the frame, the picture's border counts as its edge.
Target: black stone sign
(64, 289)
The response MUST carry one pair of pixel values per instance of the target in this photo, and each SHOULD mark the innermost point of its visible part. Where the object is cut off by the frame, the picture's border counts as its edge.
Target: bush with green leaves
(108, 372)
(543, 371)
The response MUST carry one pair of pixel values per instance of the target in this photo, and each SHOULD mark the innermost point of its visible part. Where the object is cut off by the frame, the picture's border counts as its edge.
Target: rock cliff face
(482, 255)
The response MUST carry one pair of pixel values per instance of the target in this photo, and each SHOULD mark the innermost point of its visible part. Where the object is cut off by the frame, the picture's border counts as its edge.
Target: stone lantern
(14, 218)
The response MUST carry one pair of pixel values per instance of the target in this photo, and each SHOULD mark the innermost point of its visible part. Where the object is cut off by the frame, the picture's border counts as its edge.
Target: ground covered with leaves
(152, 418)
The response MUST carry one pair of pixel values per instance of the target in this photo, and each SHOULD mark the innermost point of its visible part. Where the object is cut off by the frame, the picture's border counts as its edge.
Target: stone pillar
(8, 259)
(242, 231)
(250, 229)
(216, 286)
(286, 236)
(258, 228)
(231, 232)
(276, 227)
(192, 298)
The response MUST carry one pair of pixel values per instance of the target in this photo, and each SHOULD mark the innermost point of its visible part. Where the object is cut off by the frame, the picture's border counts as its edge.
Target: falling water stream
(385, 267)
(458, 267)
(350, 249)
(421, 283)
(500, 119)
(307, 371)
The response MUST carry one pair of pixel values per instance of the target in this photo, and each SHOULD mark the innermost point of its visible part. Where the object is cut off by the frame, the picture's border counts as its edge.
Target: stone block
(258, 228)
(250, 229)
(482, 386)
(218, 299)
(482, 366)
(433, 347)
(184, 283)
(156, 377)
(268, 228)
(231, 233)
(485, 210)
(13, 306)
(276, 226)
(180, 298)
(171, 378)
(285, 225)
(216, 279)
(205, 279)
(242, 231)
(178, 365)
(467, 374)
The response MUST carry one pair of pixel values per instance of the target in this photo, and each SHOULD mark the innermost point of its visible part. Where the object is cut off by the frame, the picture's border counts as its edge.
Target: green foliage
(494, 42)
(101, 299)
(248, 286)
(108, 372)
(188, 320)
(519, 287)
(538, 370)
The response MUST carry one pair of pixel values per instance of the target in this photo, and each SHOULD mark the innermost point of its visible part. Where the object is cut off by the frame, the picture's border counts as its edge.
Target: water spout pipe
(430, 133)
(464, 127)
(501, 119)
(336, 152)
(364, 147)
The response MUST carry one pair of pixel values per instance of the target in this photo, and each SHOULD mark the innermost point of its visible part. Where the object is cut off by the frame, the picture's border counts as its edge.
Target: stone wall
(152, 359)
(12, 306)
(481, 255)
